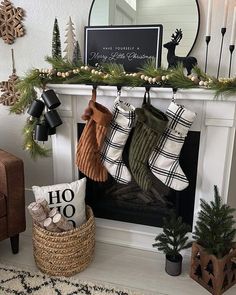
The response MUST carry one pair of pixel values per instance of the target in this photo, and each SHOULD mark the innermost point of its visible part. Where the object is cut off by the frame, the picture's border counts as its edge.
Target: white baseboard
(126, 234)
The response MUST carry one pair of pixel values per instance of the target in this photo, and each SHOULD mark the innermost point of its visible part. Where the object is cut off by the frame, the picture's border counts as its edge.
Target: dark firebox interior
(128, 203)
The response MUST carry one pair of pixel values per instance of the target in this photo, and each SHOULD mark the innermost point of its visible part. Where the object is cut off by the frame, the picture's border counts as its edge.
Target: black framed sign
(130, 46)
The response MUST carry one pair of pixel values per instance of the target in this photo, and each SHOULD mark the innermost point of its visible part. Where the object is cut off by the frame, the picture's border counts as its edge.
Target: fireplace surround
(215, 121)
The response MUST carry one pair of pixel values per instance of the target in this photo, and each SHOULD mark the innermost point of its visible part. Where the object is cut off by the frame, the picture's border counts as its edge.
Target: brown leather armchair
(12, 198)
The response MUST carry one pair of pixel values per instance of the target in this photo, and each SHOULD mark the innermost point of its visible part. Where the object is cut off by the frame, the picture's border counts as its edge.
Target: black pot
(173, 264)
(53, 119)
(41, 132)
(50, 98)
(36, 108)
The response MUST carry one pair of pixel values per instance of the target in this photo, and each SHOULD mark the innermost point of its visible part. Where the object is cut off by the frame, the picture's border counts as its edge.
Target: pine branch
(27, 92)
(200, 74)
(225, 87)
(30, 144)
(59, 63)
(178, 79)
(150, 69)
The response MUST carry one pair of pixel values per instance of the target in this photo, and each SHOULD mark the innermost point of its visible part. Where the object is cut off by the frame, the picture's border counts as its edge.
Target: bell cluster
(45, 112)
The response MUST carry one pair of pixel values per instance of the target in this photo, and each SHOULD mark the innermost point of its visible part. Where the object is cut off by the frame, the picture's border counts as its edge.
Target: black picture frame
(131, 46)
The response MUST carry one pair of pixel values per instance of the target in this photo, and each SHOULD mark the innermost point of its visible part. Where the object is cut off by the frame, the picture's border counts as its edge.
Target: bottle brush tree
(56, 41)
(174, 237)
(77, 59)
(215, 229)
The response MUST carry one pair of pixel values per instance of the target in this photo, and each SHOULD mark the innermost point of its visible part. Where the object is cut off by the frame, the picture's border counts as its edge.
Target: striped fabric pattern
(91, 141)
(150, 125)
(164, 160)
(120, 128)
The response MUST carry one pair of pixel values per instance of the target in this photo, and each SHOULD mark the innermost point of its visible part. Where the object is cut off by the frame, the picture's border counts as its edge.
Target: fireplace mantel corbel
(215, 120)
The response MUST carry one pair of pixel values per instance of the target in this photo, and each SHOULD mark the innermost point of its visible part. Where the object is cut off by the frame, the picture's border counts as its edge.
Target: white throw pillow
(67, 197)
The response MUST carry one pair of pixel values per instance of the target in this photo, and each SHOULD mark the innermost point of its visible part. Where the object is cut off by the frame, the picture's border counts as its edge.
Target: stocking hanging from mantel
(92, 138)
(150, 124)
(119, 131)
(164, 161)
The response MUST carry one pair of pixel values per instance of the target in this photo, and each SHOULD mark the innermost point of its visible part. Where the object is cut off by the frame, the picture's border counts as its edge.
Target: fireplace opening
(128, 203)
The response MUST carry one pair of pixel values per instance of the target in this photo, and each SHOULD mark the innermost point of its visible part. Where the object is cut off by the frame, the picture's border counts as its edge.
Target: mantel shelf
(164, 93)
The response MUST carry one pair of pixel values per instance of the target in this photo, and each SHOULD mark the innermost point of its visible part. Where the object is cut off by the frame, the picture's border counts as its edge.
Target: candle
(232, 39)
(209, 15)
(225, 13)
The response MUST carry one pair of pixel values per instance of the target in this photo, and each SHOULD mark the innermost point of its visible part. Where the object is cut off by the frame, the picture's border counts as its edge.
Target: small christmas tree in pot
(213, 254)
(173, 239)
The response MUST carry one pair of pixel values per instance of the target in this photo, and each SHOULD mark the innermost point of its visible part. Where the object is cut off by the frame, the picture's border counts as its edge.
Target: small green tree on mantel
(214, 230)
(56, 41)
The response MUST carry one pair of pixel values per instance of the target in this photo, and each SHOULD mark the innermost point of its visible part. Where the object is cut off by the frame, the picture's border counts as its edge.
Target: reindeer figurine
(188, 62)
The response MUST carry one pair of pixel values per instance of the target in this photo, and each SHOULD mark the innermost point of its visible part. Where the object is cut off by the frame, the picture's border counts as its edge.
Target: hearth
(129, 203)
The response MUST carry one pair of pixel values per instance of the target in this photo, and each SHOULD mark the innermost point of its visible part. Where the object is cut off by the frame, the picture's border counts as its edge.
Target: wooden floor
(120, 265)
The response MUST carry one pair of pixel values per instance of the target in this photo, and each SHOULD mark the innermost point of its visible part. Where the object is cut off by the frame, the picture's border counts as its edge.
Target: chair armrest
(12, 186)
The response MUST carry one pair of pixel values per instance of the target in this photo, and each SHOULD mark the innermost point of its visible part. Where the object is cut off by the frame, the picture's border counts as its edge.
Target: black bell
(53, 119)
(41, 132)
(36, 108)
(51, 131)
(50, 98)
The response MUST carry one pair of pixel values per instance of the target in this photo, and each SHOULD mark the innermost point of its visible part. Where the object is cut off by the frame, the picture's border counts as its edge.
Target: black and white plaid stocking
(120, 127)
(164, 160)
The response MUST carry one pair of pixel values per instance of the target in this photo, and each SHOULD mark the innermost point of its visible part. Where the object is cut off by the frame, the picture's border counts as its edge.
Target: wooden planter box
(216, 275)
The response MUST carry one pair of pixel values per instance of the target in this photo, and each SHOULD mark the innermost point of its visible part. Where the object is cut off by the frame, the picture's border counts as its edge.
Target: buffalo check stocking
(164, 160)
(119, 130)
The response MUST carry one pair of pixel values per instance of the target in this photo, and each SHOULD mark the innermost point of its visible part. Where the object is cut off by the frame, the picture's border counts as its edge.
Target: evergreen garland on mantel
(65, 72)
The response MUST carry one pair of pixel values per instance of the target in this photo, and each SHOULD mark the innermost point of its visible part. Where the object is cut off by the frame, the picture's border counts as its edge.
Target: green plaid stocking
(150, 125)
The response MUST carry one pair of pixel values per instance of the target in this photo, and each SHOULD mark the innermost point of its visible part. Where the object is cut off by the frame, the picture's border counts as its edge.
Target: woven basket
(66, 253)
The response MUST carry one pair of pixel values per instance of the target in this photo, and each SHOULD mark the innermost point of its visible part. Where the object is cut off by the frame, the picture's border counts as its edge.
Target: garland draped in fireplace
(64, 72)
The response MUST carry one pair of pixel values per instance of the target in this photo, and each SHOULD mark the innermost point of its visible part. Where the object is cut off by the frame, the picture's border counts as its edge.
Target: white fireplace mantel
(215, 120)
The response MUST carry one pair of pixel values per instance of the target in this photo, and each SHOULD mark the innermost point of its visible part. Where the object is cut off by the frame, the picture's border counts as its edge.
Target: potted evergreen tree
(212, 263)
(173, 239)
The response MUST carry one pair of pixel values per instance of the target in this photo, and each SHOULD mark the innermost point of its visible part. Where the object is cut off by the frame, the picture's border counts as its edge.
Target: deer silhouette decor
(188, 62)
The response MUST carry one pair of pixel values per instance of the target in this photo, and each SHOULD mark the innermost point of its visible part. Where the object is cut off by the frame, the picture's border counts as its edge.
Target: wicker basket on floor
(66, 253)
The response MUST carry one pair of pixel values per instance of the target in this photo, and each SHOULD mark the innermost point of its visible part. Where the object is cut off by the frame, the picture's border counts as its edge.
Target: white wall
(31, 49)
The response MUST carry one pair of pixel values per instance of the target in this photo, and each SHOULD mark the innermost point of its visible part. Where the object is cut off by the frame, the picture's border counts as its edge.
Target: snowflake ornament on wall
(10, 94)
(10, 22)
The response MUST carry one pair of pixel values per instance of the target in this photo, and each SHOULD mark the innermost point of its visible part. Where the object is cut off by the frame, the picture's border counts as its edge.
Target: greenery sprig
(64, 72)
(26, 87)
(30, 144)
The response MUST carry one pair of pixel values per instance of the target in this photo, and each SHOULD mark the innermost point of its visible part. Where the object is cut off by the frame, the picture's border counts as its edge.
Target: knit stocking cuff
(152, 118)
(100, 114)
(123, 113)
